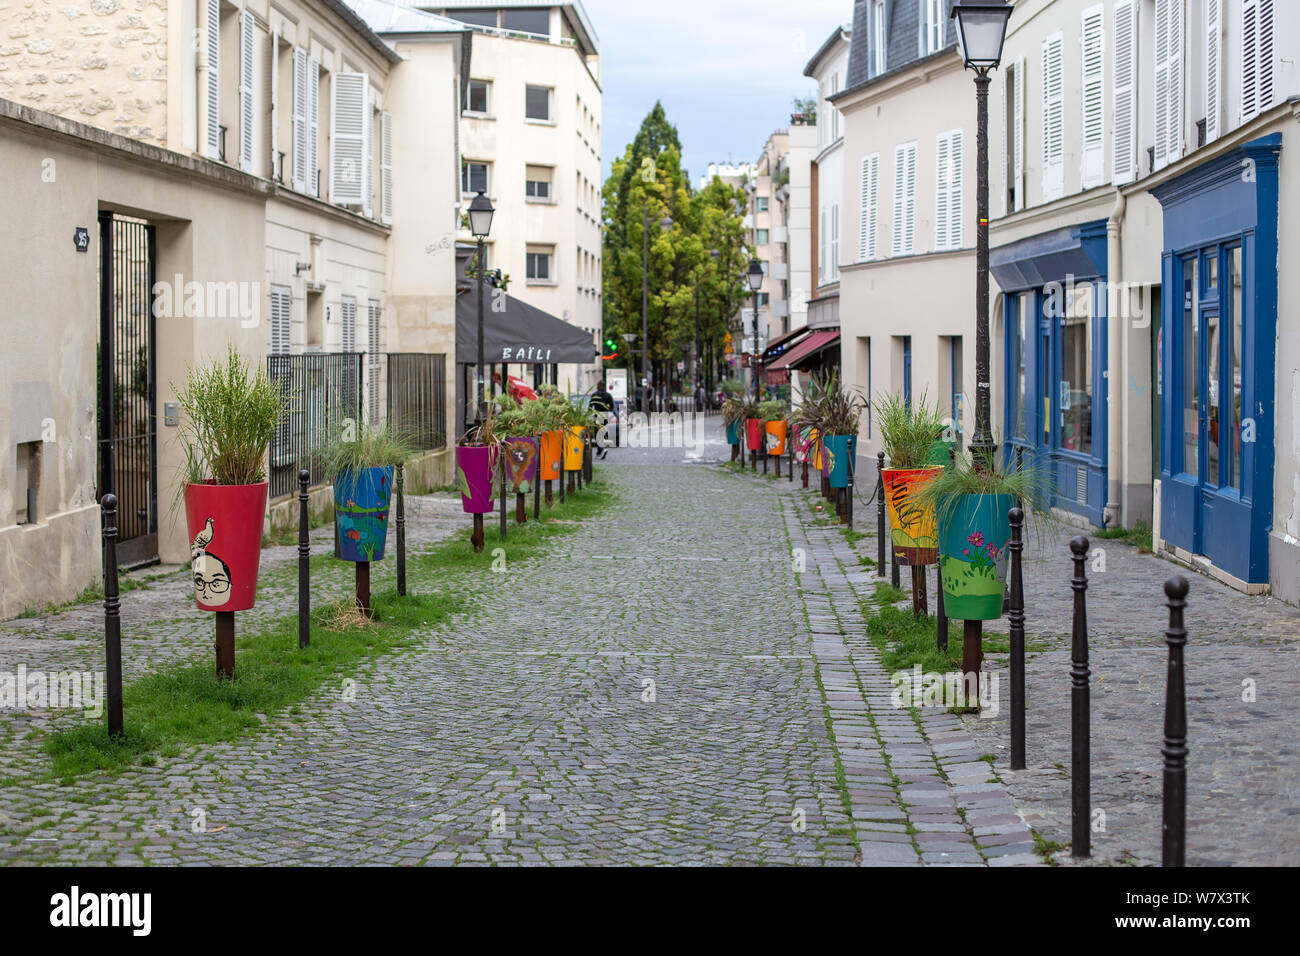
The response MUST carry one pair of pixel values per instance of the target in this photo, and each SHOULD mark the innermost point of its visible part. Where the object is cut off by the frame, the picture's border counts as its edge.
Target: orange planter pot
(552, 461)
(914, 529)
(573, 448)
(776, 434)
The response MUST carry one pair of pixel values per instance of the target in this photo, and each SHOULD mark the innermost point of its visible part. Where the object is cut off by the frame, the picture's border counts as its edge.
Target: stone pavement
(662, 688)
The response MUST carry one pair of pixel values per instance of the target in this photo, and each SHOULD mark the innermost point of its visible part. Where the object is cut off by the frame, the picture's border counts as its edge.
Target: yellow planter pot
(573, 439)
(816, 449)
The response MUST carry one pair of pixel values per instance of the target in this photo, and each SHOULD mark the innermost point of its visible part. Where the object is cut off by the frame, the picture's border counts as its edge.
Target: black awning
(518, 333)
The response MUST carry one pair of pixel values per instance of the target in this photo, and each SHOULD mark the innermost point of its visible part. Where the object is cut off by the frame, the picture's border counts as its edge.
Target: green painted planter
(840, 448)
(733, 433)
(973, 539)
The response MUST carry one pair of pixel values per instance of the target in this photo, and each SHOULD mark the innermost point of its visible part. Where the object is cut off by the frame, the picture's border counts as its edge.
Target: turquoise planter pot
(973, 538)
(733, 433)
(361, 501)
(841, 449)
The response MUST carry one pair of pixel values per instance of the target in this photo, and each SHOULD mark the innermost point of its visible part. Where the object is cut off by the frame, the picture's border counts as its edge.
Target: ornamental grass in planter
(775, 425)
(229, 413)
(908, 434)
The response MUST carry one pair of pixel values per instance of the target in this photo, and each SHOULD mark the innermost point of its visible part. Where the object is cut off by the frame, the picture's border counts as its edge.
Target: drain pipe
(1117, 393)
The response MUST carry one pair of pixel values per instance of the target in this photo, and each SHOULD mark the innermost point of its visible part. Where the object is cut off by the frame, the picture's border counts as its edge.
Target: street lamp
(665, 224)
(981, 31)
(480, 224)
(754, 278)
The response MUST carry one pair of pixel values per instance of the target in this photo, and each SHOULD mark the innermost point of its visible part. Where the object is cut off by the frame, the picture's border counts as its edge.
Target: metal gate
(128, 448)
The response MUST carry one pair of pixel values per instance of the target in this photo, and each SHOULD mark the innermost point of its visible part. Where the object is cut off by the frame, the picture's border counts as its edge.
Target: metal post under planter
(502, 469)
(537, 484)
(401, 530)
(1015, 574)
(225, 645)
(112, 618)
(1173, 851)
(363, 587)
(304, 561)
(1080, 738)
(941, 622)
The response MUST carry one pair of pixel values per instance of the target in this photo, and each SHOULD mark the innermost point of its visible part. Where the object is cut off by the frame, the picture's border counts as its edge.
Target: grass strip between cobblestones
(186, 705)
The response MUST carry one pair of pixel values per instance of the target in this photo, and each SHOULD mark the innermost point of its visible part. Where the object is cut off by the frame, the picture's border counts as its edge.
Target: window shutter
(1053, 120)
(281, 315)
(247, 71)
(956, 213)
(835, 242)
(1018, 135)
(374, 359)
(212, 89)
(1256, 57)
(904, 198)
(347, 140)
(1124, 156)
(942, 165)
(301, 156)
(348, 323)
(821, 246)
(1213, 67)
(386, 167)
(1169, 82)
(274, 72)
(368, 154)
(313, 125)
(867, 222)
(1092, 49)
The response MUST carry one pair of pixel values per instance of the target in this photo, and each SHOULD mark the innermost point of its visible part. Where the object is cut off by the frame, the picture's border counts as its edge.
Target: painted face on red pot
(211, 581)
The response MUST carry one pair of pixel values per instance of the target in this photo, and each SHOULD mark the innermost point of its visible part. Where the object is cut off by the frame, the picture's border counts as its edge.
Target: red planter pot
(225, 528)
(754, 434)
(476, 465)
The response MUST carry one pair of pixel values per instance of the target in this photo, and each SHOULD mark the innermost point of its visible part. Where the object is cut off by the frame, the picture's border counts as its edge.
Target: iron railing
(327, 390)
(417, 398)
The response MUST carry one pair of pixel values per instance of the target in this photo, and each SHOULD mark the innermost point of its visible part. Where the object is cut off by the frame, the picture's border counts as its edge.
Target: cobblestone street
(664, 687)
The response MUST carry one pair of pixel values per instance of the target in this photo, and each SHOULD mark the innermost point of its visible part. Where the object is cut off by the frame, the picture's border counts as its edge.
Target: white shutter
(1169, 82)
(212, 81)
(1018, 137)
(835, 242)
(904, 198)
(386, 167)
(348, 119)
(1124, 145)
(368, 155)
(867, 222)
(301, 150)
(1256, 57)
(374, 359)
(281, 317)
(348, 323)
(1213, 67)
(821, 247)
(942, 165)
(956, 211)
(313, 125)
(274, 72)
(247, 72)
(1053, 119)
(1093, 95)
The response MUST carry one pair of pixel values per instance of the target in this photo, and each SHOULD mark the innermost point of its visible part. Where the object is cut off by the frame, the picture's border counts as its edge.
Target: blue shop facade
(1217, 358)
(1054, 347)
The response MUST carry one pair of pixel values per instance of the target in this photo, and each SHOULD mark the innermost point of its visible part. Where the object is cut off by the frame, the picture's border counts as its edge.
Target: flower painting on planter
(361, 501)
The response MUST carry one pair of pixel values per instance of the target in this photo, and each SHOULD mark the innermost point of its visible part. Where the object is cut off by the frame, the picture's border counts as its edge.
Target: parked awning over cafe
(809, 347)
(782, 344)
(517, 333)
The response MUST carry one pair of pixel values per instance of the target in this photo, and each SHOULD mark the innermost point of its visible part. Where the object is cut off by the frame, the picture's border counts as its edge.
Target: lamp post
(754, 279)
(981, 30)
(665, 224)
(480, 224)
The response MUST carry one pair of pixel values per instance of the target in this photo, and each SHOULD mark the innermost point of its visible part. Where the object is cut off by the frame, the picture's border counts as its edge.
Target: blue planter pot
(973, 537)
(841, 449)
(733, 433)
(361, 502)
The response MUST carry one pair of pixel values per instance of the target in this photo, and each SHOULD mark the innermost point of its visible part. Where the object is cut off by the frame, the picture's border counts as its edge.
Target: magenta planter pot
(475, 468)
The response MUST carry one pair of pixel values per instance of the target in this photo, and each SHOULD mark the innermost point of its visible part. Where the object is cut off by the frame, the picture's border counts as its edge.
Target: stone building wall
(101, 62)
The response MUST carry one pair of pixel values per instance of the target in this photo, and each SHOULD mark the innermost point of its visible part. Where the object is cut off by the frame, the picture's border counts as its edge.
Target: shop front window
(1234, 367)
(1190, 368)
(1076, 370)
(1023, 306)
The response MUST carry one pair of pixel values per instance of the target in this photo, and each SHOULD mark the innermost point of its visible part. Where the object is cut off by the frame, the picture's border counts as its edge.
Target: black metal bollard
(112, 618)
(304, 559)
(1015, 573)
(1080, 738)
(941, 613)
(880, 515)
(848, 493)
(401, 530)
(1173, 851)
(537, 486)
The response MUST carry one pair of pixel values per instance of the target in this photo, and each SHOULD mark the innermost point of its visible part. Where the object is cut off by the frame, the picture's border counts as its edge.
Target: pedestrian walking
(602, 402)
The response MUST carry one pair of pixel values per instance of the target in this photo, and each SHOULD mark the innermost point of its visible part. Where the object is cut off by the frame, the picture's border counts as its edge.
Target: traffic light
(611, 350)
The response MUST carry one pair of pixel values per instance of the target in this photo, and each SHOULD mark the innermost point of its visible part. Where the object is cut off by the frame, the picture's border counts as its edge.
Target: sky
(725, 70)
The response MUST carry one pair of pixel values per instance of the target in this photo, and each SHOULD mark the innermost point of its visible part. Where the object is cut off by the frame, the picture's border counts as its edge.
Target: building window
(537, 22)
(1022, 306)
(474, 178)
(932, 24)
(833, 267)
(537, 184)
(761, 204)
(956, 406)
(484, 18)
(762, 236)
(537, 103)
(907, 371)
(1076, 370)
(477, 97)
(539, 265)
